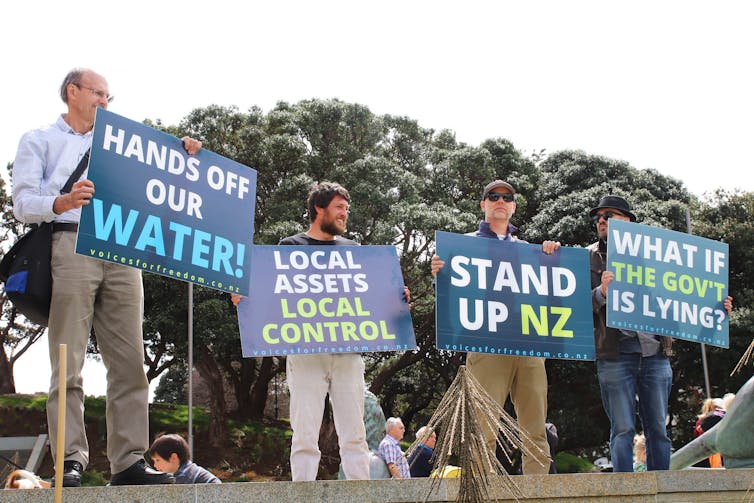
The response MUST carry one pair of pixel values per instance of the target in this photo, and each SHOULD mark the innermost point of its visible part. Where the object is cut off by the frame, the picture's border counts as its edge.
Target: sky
(661, 85)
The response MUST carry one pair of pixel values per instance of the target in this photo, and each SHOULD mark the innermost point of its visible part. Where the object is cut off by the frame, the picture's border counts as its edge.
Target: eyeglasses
(506, 196)
(606, 215)
(100, 94)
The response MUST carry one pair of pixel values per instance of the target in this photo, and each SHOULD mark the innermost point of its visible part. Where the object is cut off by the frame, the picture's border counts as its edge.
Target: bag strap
(71, 180)
(76, 174)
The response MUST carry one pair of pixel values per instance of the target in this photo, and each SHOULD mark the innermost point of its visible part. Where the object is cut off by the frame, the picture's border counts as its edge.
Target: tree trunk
(7, 383)
(260, 389)
(243, 380)
(213, 376)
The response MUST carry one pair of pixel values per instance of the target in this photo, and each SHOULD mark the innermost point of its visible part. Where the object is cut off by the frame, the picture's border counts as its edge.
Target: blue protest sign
(324, 299)
(667, 283)
(160, 210)
(510, 298)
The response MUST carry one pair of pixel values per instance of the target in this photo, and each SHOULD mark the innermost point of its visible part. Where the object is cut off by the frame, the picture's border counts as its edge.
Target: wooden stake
(60, 443)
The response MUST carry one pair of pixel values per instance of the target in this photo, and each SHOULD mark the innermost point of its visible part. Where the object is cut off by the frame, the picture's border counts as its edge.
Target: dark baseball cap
(496, 185)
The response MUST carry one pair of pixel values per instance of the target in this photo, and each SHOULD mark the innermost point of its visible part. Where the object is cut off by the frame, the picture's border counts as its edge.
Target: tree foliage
(406, 182)
(172, 385)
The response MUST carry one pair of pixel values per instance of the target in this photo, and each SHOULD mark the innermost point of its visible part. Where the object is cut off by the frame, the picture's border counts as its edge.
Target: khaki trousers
(86, 292)
(525, 379)
(310, 379)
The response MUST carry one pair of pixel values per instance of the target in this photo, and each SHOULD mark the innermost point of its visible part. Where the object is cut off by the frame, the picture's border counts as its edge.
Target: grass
(165, 416)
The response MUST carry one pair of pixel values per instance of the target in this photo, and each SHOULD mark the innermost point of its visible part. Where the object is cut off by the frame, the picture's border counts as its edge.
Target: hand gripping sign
(510, 298)
(158, 209)
(667, 283)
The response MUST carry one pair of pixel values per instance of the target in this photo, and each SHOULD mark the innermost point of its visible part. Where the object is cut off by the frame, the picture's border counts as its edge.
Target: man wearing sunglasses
(523, 377)
(629, 364)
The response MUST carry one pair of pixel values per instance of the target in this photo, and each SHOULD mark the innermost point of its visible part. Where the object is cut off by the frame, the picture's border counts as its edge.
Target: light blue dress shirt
(45, 159)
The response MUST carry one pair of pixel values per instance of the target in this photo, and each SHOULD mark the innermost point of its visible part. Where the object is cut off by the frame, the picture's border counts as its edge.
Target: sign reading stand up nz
(667, 283)
(510, 298)
(158, 209)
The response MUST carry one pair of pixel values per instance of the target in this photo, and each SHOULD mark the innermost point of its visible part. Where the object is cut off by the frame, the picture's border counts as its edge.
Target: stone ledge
(706, 486)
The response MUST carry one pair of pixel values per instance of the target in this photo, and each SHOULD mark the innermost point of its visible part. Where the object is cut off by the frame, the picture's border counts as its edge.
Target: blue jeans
(622, 380)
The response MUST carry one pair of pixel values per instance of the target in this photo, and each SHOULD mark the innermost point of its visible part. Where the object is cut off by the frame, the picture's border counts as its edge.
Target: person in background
(707, 406)
(420, 463)
(709, 420)
(390, 449)
(640, 453)
(170, 454)
(728, 399)
(552, 440)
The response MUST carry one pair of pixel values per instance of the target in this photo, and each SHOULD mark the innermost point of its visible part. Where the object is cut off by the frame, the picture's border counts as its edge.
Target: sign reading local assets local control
(158, 209)
(510, 298)
(667, 283)
(324, 299)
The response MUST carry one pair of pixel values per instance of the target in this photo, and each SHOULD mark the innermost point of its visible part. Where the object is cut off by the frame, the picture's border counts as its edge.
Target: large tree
(406, 182)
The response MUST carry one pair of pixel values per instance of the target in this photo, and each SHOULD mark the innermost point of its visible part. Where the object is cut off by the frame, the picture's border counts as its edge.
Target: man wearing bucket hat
(629, 364)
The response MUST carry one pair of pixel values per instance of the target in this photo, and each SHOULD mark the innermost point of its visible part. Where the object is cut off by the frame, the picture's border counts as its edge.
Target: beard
(602, 234)
(332, 227)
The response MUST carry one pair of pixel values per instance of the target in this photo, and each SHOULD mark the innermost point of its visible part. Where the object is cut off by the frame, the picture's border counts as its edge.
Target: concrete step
(707, 486)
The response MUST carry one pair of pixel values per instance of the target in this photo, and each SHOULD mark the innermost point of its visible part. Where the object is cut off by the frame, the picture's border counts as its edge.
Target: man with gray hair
(390, 449)
(87, 292)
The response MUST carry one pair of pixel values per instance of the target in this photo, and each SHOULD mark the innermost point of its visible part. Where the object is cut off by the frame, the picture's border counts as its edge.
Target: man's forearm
(393, 469)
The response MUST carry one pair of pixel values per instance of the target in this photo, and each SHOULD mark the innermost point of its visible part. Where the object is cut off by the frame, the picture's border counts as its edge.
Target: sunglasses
(505, 196)
(606, 215)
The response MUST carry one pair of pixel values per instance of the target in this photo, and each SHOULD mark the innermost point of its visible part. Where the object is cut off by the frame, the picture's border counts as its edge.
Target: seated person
(420, 462)
(170, 454)
(390, 449)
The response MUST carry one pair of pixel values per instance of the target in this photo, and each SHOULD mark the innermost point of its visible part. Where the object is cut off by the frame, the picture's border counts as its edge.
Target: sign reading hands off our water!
(510, 298)
(667, 283)
(324, 299)
(160, 210)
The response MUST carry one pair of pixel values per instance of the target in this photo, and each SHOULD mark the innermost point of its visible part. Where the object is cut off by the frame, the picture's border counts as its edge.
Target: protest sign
(510, 298)
(158, 209)
(667, 283)
(324, 299)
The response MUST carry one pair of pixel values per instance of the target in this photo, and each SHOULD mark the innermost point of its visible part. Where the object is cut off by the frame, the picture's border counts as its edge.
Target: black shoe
(139, 474)
(72, 471)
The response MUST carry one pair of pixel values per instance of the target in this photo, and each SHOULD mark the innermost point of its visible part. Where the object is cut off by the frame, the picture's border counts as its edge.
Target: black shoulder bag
(26, 270)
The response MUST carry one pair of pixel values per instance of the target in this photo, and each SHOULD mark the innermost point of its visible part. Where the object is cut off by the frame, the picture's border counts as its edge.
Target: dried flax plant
(744, 359)
(464, 413)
